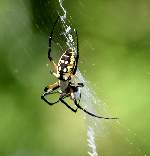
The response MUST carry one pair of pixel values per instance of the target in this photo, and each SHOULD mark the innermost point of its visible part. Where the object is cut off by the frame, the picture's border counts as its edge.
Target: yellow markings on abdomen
(66, 64)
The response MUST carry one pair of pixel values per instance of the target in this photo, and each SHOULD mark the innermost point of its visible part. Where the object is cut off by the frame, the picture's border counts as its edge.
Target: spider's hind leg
(50, 89)
(65, 103)
(91, 114)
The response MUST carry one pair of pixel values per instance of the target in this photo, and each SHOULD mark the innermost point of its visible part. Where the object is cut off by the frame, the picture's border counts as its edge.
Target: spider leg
(50, 89)
(78, 84)
(49, 103)
(77, 55)
(50, 39)
(65, 103)
(49, 48)
(55, 68)
(91, 114)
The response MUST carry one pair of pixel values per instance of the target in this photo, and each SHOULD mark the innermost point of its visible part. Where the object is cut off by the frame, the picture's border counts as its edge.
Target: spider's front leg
(54, 72)
(50, 89)
(54, 65)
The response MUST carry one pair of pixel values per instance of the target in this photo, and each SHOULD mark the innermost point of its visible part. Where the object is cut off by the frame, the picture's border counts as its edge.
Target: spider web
(70, 40)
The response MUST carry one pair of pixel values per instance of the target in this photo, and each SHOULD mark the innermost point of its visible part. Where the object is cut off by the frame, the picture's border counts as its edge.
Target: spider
(64, 71)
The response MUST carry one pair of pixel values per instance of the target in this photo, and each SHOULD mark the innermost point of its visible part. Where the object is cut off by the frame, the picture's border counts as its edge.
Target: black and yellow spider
(65, 70)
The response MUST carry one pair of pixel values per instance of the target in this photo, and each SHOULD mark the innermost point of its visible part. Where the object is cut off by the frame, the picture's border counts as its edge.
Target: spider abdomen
(67, 63)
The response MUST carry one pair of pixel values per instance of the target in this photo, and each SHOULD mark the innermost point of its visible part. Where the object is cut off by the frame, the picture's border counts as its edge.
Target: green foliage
(114, 57)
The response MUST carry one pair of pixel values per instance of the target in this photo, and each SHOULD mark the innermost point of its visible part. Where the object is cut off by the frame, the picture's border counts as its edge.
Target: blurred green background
(114, 56)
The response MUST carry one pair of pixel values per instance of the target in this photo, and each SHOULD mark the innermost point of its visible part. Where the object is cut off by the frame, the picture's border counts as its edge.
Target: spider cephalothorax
(65, 70)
